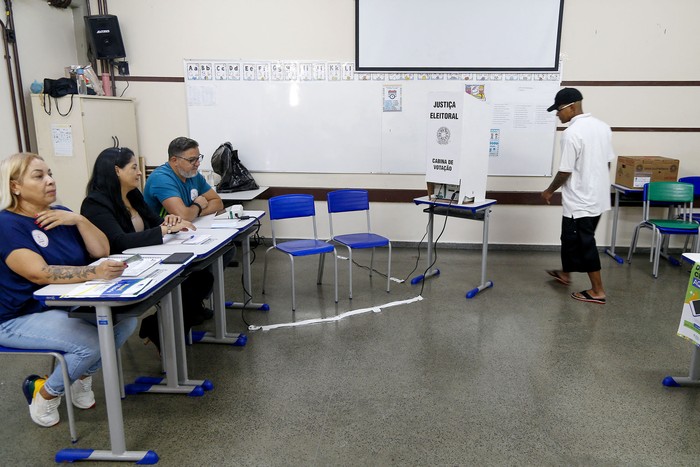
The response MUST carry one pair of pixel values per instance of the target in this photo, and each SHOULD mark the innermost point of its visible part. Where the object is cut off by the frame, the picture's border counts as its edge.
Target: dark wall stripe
(406, 196)
(151, 79)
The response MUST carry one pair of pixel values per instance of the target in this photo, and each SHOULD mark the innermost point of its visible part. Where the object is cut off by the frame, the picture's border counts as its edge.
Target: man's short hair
(180, 145)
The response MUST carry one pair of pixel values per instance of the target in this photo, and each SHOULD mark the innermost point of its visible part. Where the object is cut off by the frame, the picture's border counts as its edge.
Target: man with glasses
(584, 177)
(177, 187)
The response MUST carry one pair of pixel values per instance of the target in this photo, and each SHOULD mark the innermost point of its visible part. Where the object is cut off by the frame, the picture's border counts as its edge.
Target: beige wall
(624, 40)
(46, 44)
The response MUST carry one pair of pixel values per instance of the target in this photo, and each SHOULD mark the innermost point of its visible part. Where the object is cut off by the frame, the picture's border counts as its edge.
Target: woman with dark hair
(116, 206)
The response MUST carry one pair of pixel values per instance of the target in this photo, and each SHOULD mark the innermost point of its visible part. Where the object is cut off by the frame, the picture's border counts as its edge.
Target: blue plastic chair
(57, 355)
(342, 201)
(295, 207)
(679, 194)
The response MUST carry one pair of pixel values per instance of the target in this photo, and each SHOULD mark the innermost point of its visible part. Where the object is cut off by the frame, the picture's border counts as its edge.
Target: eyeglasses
(192, 160)
(565, 106)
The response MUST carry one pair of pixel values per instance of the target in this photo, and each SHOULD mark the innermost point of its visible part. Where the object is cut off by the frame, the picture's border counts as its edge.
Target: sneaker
(81, 393)
(43, 412)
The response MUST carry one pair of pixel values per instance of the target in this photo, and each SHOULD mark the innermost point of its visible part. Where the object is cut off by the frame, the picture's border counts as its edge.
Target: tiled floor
(520, 375)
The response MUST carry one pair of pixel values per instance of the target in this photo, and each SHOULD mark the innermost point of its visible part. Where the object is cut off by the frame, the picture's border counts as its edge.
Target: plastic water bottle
(80, 81)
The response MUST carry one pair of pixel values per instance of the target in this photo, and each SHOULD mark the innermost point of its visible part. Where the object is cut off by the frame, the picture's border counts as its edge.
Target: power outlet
(123, 68)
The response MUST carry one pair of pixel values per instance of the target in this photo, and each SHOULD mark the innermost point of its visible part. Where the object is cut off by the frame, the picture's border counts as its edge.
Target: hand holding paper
(109, 269)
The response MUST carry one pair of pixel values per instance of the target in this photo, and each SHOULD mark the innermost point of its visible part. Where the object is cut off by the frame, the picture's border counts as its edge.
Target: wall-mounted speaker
(104, 37)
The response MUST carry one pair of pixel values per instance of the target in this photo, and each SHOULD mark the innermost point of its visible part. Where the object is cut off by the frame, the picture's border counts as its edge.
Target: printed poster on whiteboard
(521, 128)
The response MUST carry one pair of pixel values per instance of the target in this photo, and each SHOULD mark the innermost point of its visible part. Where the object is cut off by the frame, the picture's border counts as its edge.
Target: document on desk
(186, 238)
(121, 287)
(204, 222)
(226, 223)
(138, 267)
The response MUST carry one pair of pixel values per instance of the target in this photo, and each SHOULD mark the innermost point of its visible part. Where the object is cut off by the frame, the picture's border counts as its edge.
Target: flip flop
(556, 275)
(584, 296)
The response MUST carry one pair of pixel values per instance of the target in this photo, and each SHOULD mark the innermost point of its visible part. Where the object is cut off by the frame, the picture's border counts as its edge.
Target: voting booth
(457, 146)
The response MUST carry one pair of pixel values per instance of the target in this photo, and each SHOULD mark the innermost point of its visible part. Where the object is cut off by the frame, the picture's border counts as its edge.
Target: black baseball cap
(565, 96)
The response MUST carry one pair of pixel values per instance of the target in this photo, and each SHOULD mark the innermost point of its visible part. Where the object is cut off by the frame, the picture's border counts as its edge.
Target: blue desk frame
(54, 295)
(479, 211)
(203, 252)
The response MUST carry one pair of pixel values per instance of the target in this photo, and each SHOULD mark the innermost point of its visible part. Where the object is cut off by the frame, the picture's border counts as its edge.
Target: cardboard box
(635, 171)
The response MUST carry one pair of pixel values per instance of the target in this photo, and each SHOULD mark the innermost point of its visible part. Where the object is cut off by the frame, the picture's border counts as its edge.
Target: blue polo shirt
(61, 245)
(163, 183)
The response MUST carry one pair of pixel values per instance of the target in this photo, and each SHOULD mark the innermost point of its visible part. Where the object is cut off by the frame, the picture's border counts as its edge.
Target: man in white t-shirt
(584, 177)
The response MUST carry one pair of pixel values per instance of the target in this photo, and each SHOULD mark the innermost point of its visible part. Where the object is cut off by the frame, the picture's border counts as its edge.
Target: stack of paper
(186, 238)
(137, 268)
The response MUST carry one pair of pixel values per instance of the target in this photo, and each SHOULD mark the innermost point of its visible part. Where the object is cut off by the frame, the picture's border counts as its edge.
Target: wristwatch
(199, 208)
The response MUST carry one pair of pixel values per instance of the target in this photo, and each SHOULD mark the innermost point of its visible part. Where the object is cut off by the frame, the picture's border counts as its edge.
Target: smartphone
(695, 307)
(177, 258)
(131, 259)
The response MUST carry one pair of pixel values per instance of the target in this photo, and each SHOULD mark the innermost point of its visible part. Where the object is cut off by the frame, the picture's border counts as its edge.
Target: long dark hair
(104, 177)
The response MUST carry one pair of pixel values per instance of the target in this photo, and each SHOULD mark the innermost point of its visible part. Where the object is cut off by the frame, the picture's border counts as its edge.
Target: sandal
(584, 296)
(558, 277)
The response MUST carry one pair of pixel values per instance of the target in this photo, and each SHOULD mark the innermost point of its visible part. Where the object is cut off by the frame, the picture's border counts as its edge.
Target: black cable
(247, 297)
(435, 255)
(362, 266)
(435, 243)
(127, 87)
(418, 257)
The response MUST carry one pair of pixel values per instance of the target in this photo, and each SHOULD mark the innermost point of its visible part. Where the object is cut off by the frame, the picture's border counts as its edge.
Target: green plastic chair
(677, 194)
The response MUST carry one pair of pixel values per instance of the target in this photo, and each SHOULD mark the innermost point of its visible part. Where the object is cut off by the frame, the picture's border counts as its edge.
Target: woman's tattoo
(69, 272)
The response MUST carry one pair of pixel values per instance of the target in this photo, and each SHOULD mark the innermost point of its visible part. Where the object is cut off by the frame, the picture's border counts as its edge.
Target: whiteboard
(458, 34)
(318, 124)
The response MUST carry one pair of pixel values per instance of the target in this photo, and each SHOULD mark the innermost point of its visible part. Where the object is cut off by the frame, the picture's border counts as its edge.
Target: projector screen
(459, 35)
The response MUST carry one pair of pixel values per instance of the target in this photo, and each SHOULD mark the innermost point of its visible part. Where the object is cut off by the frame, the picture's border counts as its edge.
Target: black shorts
(579, 252)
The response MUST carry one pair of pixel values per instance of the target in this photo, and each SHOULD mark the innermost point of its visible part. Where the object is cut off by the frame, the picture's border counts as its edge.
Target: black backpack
(234, 175)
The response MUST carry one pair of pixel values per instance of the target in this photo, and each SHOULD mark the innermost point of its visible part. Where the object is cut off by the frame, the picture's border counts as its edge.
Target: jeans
(55, 330)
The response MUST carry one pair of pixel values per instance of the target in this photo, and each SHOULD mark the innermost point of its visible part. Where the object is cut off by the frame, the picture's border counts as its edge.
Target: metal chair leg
(350, 269)
(657, 254)
(321, 268)
(68, 397)
(335, 262)
(265, 269)
(633, 245)
(321, 263)
(388, 270)
(294, 296)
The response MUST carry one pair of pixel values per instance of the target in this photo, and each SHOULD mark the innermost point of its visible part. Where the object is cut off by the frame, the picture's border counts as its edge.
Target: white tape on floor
(375, 309)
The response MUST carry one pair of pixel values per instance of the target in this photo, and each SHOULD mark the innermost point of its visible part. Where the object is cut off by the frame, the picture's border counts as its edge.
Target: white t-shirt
(586, 150)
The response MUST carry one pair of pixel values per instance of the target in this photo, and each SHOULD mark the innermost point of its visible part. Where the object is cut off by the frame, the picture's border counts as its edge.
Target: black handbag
(234, 175)
(60, 87)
